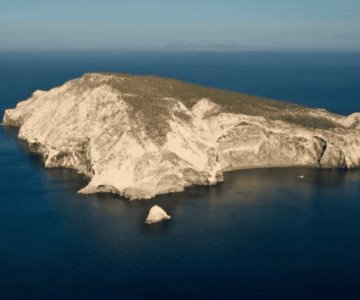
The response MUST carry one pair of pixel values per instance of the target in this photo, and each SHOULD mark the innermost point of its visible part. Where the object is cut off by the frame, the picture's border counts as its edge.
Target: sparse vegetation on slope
(148, 94)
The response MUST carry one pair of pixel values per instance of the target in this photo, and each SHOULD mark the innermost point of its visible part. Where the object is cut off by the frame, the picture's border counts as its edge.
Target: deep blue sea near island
(262, 234)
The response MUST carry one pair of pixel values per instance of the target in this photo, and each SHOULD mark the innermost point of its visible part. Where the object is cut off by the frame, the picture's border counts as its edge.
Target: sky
(175, 24)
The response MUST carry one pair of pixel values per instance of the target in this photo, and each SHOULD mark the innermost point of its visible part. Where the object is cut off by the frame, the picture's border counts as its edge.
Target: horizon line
(165, 50)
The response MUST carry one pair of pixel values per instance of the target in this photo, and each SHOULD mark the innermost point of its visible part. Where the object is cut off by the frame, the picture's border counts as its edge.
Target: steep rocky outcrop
(156, 215)
(141, 136)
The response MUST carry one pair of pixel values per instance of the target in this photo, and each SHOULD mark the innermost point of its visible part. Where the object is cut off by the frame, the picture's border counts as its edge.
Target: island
(142, 136)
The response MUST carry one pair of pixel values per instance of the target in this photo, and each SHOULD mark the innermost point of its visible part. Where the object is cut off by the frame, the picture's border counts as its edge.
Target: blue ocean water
(261, 234)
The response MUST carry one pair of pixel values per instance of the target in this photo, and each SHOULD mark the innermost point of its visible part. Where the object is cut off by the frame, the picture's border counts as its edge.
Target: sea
(262, 234)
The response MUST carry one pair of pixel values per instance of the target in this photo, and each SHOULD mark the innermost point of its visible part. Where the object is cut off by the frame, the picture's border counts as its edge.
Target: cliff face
(143, 136)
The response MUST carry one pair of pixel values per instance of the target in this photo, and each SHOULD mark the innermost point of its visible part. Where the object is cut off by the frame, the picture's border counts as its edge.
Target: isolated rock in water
(156, 215)
(141, 136)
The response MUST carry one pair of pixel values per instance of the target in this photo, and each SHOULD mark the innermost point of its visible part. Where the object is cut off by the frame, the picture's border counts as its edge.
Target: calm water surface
(263, 234)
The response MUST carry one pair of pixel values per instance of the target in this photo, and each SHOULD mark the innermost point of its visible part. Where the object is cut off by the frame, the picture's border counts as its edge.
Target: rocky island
(141, 136)
(156, 215)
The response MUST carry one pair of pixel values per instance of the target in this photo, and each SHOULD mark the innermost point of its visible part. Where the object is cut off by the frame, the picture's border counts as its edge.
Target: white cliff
(144, 136)
(156, 215)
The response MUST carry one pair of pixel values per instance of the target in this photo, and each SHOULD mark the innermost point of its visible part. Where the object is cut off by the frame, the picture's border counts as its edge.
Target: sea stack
(156, 215)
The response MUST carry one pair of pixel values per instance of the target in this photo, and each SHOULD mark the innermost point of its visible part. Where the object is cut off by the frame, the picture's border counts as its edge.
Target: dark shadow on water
(72, 177)
(314, 176)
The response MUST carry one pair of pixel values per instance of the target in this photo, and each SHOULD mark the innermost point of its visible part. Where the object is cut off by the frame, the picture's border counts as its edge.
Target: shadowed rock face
(141, 136)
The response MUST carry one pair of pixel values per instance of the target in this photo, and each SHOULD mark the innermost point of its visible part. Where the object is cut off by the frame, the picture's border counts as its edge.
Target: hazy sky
(144, 24)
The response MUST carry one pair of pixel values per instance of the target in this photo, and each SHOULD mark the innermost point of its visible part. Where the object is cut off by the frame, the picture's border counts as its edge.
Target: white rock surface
(144, 136)
(156, 215)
